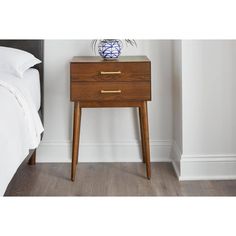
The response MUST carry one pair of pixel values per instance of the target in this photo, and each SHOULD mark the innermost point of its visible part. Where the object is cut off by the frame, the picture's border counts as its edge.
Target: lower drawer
(107, 91)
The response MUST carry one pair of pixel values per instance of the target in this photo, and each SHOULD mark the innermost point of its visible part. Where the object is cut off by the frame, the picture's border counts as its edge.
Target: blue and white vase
(110, 49)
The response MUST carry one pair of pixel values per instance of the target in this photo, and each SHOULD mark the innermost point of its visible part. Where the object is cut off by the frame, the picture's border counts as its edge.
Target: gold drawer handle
(110, 72)
(111, 91)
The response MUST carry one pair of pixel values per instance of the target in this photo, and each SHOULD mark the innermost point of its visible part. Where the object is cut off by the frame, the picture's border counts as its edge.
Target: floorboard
(110, 179)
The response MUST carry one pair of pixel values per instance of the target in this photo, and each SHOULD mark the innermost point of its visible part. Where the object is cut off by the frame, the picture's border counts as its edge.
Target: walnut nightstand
(125, 82)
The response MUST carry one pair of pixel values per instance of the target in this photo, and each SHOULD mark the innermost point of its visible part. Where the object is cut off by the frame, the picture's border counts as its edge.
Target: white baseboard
(103, 152)
(203, 167)
(208, 167)
(187, 167)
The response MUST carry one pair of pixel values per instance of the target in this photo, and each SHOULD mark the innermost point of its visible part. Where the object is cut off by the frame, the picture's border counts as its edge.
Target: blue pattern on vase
(110, 48)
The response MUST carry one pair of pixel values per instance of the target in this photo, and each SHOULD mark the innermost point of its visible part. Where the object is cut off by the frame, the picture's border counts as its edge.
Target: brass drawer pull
(110, 72)
(111, 91)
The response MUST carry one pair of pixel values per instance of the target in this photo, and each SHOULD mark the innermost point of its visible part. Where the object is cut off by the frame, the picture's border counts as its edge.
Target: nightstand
(125, 82)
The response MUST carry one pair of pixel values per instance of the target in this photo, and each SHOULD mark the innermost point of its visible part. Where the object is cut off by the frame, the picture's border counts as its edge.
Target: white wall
(208, 110)
(177, 93)
(209, 98)
(177, 103)
(107, 134)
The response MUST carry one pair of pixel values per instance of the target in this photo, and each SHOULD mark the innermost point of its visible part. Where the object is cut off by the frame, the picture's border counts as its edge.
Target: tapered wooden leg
(145, 136)
(80, 114)
(142, 136)
(32, 160)
(76, 134)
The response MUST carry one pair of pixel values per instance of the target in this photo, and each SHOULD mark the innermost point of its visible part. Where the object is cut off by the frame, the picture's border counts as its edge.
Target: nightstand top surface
(88, 59)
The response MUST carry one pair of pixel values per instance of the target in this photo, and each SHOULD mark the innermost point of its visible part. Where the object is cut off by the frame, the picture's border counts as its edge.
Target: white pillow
(16, 61)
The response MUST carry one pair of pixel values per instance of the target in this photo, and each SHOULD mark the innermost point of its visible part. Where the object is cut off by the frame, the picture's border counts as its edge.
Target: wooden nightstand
(121, 83)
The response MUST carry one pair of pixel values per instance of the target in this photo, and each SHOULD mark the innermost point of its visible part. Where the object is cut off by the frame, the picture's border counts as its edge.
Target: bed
(21, 112)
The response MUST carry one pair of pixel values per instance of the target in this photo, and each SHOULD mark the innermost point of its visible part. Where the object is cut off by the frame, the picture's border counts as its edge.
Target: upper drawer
(117, 71)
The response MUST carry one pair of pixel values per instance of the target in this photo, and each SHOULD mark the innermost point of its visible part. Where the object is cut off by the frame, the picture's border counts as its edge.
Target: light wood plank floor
(110, 179)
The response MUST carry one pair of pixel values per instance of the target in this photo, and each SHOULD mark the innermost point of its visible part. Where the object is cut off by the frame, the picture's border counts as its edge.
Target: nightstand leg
(142, 136)
(76, 134)
(145, 136)
(80, 114)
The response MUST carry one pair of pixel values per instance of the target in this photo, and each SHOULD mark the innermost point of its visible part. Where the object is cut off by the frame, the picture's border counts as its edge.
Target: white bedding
(20, 126)
(31, 81)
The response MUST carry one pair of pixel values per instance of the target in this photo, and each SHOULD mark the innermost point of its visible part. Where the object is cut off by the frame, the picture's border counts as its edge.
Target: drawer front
(107, 91)
(111, 71)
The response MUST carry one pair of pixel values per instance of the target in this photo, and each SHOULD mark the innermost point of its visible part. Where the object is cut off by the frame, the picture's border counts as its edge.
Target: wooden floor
(110, 179)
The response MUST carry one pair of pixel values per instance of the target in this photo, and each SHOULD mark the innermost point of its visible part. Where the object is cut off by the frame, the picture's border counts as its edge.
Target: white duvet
(20, 126)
